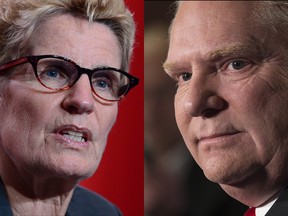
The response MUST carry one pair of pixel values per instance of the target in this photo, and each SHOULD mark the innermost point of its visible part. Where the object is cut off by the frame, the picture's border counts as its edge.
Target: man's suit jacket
(280, 207)
(83, 203)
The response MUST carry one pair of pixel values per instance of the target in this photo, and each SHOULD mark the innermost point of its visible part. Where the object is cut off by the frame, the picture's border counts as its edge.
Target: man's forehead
(217, 6)
(217, 19)
(214, 11)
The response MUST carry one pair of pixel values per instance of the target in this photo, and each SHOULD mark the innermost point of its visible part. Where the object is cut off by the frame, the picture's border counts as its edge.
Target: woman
(63, 66)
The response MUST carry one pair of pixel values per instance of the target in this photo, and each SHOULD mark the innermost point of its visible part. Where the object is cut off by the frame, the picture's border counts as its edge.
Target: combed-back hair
(275, 14)
(20, 18)
(271, 13)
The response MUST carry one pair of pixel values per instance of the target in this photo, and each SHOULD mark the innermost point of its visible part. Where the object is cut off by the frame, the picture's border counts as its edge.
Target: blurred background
(174, 185)
(120, 176)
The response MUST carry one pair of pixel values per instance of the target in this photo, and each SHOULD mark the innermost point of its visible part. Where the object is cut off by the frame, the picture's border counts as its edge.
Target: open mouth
(74, 136)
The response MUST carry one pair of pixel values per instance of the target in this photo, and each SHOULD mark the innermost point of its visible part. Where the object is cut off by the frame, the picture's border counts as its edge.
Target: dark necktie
(250, 212)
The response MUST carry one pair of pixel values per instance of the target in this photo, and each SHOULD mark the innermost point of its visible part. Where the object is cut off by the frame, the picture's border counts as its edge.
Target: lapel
(280, 207)
(5, 208)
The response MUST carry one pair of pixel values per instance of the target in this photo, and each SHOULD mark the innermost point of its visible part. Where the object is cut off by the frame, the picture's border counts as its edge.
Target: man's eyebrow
(232, 50)
(169, 67)
(238, 50)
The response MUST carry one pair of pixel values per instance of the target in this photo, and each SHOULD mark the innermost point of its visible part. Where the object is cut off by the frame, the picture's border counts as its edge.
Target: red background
(120, 176)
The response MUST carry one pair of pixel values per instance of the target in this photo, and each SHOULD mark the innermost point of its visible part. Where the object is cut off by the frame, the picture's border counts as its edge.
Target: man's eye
(237, 65)
(185, 77)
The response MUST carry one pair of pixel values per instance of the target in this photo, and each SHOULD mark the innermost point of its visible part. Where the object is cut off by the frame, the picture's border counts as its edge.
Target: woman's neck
(38, 204)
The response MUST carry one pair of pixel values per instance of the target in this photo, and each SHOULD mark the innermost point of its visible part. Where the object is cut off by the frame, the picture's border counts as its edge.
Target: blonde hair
(19, 19)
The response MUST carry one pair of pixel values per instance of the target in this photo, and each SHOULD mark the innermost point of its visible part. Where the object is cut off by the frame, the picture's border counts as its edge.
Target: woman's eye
(103, 83)
(52, 73)
(237, 65)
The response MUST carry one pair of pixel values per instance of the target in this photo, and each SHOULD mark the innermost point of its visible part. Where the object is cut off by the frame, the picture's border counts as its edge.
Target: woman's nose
(80, 97)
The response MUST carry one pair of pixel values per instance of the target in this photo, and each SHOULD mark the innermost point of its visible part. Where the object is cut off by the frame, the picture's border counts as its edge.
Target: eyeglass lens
(58, 74)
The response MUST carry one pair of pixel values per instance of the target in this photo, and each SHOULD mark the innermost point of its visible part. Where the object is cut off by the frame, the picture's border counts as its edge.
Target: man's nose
(80, 97)
(202, 97)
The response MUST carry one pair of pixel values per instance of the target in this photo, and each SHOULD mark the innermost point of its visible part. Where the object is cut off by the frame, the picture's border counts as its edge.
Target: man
(169, 168)
(229, 60)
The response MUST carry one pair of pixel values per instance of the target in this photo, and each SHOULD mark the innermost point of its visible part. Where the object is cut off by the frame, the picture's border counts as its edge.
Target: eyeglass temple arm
(13, 63)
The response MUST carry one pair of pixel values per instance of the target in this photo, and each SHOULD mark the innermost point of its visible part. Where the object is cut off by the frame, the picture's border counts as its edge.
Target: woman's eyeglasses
(59, 73)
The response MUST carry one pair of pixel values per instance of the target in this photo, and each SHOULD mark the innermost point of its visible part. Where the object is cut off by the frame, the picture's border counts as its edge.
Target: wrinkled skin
(231, 102)
(31, 115)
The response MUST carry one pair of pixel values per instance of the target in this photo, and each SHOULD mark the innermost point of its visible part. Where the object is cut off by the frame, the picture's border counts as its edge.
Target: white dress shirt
(261, 211)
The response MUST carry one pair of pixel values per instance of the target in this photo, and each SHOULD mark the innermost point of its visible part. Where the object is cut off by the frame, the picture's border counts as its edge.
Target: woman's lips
(73, 135)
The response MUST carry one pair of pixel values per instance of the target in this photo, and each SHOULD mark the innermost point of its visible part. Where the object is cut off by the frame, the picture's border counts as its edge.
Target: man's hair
(20, 18)
(273, 13)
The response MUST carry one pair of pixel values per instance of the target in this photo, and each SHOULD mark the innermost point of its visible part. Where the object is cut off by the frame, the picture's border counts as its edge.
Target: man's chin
(223, 176)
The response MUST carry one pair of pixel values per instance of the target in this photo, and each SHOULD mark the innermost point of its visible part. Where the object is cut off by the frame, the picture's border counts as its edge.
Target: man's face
(35, 122)
(231, 103)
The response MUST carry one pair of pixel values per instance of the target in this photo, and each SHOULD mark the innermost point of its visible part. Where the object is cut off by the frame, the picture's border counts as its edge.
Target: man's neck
(254, 195)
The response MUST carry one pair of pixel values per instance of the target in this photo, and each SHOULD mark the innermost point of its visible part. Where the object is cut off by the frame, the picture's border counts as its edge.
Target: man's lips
(218, 138)
(217, 135)
(74, 133)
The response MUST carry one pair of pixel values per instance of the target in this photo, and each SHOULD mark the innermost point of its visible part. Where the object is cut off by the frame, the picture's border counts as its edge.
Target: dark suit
(83, 203)
(208, 198)
(280, 207)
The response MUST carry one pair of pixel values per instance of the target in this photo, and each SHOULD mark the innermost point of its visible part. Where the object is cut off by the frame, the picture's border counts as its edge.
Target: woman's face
(59, 134)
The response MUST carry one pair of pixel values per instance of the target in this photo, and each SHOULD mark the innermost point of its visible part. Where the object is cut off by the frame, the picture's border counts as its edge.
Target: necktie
(250, 212)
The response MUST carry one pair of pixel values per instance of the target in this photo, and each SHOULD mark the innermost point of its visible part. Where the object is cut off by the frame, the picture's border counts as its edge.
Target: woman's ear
(3, 90)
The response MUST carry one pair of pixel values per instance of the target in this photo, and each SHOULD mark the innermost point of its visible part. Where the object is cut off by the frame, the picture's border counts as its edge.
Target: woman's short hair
(20, 18)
